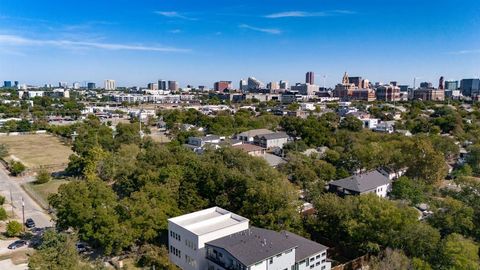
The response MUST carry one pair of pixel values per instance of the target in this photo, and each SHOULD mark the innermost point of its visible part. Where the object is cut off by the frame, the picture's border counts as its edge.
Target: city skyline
(200, 43)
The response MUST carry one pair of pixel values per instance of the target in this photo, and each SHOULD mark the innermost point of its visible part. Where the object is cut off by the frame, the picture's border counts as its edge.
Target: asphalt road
(10, 188)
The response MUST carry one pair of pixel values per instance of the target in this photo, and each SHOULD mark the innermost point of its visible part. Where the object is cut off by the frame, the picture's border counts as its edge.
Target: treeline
(130, 186)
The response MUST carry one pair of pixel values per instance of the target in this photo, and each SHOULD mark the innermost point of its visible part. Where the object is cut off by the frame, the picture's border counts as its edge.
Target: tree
(14, 228)
(453, 216)
(2, 200)
(391, 260)
(155, 256)
(3, 214)
(43, 176)
(3, 150)
(91, 207)
(458, 252)
(424, 162)
(408, 189)
(16, 168)
(351, 123)
(57, 251)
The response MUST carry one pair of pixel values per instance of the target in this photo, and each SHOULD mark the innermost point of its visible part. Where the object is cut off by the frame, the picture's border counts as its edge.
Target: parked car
(30, 223)
(82, 247)
(17, 244)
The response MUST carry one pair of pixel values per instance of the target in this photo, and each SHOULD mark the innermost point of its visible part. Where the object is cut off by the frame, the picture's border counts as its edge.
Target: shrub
(43, 177)
(2, 200)
(3, 214)
(14, 228)
(16, 168)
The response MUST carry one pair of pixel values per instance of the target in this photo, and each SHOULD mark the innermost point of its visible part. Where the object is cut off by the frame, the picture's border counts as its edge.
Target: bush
(43, 177)
(17, 168)
(3, 214)
(14, 228)
(2, 200)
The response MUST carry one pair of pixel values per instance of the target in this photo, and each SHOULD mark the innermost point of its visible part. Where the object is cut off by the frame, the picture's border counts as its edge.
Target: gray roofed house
(369, 182)
(261, 247)
(253, 245)
(248, 136)
(277, 139)
(305, 247)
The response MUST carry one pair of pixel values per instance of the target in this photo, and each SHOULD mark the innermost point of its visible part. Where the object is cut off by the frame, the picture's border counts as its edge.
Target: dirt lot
(36, 150)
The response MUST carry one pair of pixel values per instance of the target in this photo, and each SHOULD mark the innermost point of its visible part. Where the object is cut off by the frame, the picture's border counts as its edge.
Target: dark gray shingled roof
(273, 136)
(254, 245)
(305, 247)
(362, 182)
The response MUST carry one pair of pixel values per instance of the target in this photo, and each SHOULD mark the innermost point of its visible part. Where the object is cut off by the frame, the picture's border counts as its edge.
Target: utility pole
(11, 202)
(23, 213)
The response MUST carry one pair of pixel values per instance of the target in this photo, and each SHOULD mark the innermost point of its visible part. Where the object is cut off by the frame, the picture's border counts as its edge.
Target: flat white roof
(208, 220)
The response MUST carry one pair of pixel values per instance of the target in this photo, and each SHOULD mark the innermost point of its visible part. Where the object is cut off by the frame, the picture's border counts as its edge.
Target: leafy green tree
(408, 189)
(14, 228)
(458, 252)
(391, 260)
(17, 168)
(351, 123)
(155, 256)
(453, 216)
(43, 176)
(91, 207)
(57, 251)
(424, 162)
(3, 150)
(3, 214)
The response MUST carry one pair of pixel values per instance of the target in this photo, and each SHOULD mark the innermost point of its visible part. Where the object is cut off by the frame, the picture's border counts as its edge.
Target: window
(311, 259)
(271, 260)
(311, 266)
(317, 257)
(317, 264)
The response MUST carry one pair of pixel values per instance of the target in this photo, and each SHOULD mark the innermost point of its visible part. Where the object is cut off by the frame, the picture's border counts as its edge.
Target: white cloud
(173, 14)
(466, 52)
(273, 31)
(303, 14)
(175, 31)
(21, 41)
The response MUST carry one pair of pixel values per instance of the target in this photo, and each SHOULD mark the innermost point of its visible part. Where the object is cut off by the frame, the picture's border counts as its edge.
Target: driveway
(10, 188)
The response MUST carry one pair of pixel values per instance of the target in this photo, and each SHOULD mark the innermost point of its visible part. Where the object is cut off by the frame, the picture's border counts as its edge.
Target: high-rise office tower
(243, 86)
(470, 87)
(152, 86)
(253, 83)
(222, 86)
(283, 85)
(273, 86)
(162, 85)
(7, 84)
(76, 85)
(441, 83)
(91, 86)
(172, 85)
(310, 77)
(110, 85)
(355, 80)
(451, 85)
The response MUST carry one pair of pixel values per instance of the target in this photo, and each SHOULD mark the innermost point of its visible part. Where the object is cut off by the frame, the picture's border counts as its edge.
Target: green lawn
(41, 192)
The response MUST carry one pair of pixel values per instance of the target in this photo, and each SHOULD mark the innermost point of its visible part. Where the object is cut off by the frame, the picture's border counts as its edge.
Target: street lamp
(23, 213)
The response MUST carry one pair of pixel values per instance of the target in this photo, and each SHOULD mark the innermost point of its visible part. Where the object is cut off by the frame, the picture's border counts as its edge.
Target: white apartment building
(189, 233)
(216, 239)
(110, 85)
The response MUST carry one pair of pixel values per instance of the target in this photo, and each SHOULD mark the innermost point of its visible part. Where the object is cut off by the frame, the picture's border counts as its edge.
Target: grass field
(41, 192)
(36, 150)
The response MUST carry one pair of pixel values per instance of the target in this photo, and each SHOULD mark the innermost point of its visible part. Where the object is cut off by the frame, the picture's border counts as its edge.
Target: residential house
(359, 184)
(258, 248)
(277, 139)
(217, 239)
(248, 136)
(251, 149)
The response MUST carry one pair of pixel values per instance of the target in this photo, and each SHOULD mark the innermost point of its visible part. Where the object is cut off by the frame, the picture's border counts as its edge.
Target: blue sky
(198, 42)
